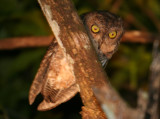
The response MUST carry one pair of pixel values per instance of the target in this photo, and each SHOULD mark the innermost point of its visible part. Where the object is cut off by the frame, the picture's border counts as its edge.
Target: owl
(55, 80)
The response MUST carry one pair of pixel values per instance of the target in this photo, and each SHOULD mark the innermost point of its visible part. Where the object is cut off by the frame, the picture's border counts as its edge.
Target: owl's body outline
(51, 79)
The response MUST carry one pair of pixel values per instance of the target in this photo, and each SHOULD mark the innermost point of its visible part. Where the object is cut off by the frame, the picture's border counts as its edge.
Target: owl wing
(37, 83)
(56, 97)
(55, 79)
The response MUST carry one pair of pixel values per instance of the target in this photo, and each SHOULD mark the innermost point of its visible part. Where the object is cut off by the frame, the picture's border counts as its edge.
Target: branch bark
(27, 42)
(154, 87)
(72, 38)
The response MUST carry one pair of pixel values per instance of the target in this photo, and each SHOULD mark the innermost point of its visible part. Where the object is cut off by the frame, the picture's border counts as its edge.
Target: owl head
(105, 30)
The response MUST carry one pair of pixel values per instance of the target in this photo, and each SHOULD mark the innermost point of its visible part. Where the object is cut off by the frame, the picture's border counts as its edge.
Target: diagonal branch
(73, 40)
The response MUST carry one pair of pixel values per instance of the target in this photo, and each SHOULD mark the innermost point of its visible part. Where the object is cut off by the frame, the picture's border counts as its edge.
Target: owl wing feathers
(54, 80)
(37, 83)
(54, 100)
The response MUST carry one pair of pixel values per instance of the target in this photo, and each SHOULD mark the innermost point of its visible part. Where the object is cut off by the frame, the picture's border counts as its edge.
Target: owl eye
(112, 34)
(95, 29)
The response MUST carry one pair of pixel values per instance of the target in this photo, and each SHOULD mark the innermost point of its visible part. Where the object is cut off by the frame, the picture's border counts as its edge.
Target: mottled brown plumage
(55, 79)
(107, 22)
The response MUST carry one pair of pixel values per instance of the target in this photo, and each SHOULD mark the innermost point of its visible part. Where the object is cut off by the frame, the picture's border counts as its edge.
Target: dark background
(128, 70)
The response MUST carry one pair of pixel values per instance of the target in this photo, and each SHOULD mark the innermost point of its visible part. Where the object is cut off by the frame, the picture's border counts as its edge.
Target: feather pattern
(54, 80)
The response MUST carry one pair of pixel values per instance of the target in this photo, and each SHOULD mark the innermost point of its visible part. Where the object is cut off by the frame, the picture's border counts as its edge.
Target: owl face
(105, 30)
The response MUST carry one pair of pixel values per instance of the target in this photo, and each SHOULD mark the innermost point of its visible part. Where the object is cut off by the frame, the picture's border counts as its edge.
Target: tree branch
(74, 41)
(139, 37)
(152, 105)
(25, 42)
(41, 41)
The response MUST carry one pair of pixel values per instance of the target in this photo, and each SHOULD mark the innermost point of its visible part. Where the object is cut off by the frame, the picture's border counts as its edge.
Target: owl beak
(109, 54)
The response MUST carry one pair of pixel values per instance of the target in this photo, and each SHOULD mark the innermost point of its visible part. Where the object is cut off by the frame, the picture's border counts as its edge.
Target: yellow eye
(95, 29)
(112, 34)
